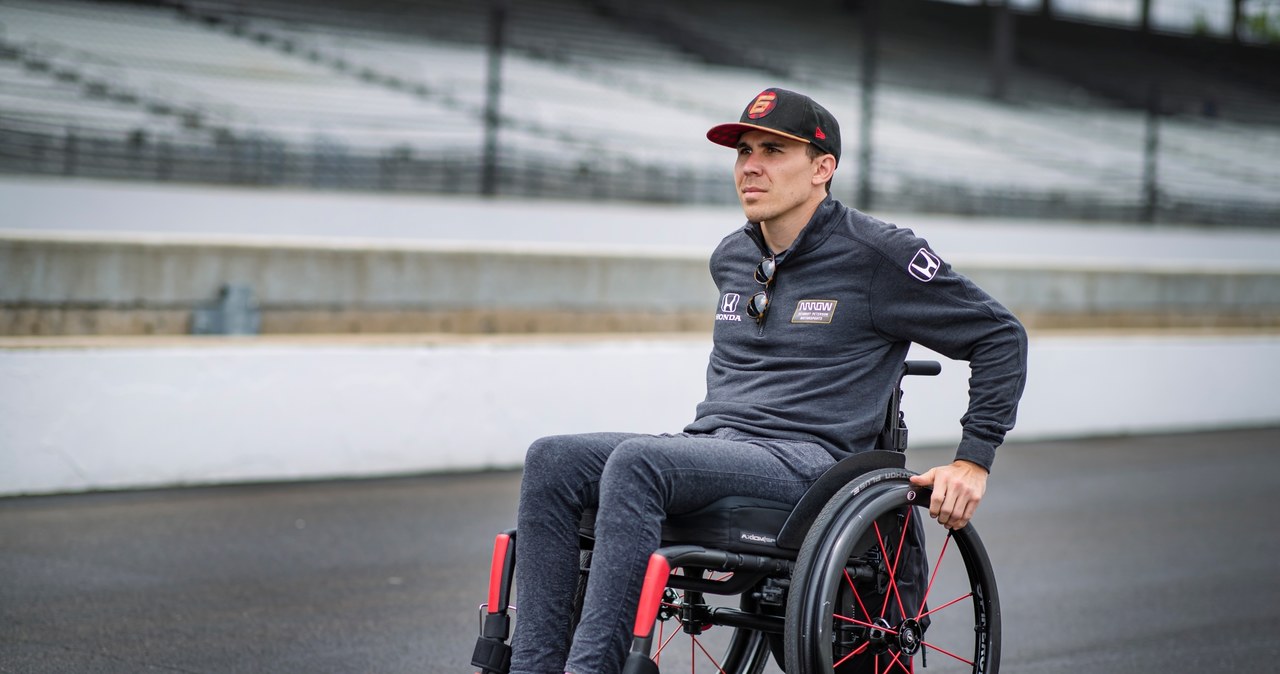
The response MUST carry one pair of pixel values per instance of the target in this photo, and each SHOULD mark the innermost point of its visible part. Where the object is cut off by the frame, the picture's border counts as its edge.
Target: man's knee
(632, 490)
(561, 464)
(543, 451)
(546, 460)
(635, 464)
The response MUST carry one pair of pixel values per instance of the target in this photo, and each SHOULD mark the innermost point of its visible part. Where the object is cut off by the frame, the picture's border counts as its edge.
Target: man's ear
(823, 168)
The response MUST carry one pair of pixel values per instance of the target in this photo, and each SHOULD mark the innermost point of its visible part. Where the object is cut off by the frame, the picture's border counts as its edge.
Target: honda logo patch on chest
(925, 265)
(729, 307)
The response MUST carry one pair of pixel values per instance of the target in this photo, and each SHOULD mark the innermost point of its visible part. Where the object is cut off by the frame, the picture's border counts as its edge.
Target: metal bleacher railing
(32, 148)
(268, 98)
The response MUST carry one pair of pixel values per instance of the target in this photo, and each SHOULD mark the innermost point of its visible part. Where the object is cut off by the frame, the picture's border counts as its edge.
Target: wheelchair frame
(800, 590)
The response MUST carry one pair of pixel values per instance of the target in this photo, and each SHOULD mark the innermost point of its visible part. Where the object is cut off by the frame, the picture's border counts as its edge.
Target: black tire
(845, 616)
(746, 651)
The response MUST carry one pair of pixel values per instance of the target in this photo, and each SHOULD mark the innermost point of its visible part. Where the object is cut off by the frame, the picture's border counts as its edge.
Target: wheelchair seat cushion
(756, 525)
(733, 523)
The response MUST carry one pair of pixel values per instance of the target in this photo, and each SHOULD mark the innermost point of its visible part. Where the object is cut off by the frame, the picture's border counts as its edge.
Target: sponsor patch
(814, 311)
(752, 537)
(925, 265)
(729, 307)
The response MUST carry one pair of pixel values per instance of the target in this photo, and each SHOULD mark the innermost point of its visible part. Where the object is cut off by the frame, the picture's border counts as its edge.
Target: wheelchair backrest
(893, 436)
(889, 453)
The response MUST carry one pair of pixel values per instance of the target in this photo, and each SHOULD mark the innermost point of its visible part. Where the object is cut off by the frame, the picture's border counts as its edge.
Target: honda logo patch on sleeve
(925, 265)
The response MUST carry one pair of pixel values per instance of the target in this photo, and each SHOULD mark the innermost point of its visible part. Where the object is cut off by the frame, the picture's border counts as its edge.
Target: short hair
(814, 152)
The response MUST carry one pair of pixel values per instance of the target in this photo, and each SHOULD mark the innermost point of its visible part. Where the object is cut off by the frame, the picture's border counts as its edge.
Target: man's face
(774, 175)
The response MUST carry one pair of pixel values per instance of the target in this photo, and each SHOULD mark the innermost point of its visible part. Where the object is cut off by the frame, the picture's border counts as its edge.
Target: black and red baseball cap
(786, 114)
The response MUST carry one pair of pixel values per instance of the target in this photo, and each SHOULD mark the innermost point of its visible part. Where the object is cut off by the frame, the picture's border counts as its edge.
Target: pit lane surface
(1141, 554)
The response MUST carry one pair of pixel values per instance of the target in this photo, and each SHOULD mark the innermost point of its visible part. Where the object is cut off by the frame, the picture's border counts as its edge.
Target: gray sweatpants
(634, 481)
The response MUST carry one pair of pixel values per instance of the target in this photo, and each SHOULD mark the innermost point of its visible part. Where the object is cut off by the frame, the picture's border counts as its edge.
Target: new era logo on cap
(787, 114)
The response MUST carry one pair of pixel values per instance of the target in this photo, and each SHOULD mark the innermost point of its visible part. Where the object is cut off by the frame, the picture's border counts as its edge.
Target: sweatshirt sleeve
(918, 297)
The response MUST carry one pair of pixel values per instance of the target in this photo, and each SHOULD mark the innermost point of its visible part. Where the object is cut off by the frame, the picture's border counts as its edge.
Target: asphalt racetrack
(1114, 556)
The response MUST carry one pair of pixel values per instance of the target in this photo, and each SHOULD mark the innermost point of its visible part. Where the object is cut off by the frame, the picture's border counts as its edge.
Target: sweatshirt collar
(819, 227)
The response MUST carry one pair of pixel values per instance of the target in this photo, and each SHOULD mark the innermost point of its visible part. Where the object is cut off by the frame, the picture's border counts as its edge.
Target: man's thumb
(925, 479)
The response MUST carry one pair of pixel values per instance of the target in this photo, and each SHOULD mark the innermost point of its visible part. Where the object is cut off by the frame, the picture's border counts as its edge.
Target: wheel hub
(907, 637)
(878, 634)
(910, 637)
(689, 610)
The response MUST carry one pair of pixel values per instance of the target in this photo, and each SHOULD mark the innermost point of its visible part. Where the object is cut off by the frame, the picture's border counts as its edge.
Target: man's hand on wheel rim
(957, 490)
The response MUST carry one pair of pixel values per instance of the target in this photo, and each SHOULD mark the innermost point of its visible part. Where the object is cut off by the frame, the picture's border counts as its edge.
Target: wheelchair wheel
(868, 595)
(688, 642)
(688, 639)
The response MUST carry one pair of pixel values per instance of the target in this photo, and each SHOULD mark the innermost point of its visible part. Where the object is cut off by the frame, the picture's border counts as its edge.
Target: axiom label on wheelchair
(843, 581)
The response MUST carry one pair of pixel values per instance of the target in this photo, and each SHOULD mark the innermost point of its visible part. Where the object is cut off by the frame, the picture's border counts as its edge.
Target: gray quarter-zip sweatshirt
(848, 298)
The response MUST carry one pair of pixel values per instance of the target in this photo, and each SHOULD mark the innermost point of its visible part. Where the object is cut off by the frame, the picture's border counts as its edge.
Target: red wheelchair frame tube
(655, 583)
(504, 553)
(492, 654)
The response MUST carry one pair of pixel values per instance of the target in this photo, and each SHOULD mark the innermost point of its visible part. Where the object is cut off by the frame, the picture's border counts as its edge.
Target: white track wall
(212, 411)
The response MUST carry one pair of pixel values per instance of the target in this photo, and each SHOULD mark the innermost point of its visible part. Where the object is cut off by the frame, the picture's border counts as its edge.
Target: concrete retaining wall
(152, 284)
(125, 415)
(99, 284)
(78, 257)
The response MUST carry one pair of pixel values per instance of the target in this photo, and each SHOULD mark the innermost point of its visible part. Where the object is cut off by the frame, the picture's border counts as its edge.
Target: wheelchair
(841, 582)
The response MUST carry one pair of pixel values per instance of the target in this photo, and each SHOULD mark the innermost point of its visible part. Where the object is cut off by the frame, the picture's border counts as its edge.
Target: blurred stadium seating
(605, 100)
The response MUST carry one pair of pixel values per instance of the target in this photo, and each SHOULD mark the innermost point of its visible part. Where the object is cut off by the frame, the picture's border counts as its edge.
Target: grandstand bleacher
(599, 102)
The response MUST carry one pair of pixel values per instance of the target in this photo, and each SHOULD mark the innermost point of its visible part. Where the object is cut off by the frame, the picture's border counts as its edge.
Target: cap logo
(817, 133)
(763, 105)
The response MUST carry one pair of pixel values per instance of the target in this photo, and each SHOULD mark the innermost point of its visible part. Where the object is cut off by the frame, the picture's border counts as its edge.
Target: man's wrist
(977, 452)
(965, 463)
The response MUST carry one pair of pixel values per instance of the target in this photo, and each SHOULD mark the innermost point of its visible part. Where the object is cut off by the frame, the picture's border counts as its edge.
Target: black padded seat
(756, 525)
(733, 523)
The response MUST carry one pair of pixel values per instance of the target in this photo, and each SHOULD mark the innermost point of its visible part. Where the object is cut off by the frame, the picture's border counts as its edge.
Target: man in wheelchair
(818, 305)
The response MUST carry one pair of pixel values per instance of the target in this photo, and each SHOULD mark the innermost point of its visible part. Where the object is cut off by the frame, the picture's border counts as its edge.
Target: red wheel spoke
(856, 595)
(674, 633)
(948, 653)
(695, 644)
(937, 565)
(863, 647)
(953, 601)
(897, 563)
(897, 660)
(893, 568)
(698, 643)
(880, 541)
